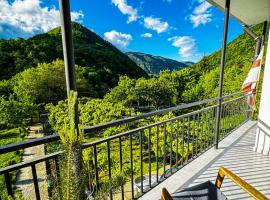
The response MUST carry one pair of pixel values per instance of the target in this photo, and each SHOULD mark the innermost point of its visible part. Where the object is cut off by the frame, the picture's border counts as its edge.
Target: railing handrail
(28, 143)
(29, 163)
(86, 145)
(55, 137)
(153, 113)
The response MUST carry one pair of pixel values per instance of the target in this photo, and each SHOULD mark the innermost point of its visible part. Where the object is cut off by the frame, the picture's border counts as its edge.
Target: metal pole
(68, 51)
(67, 45)
(264, 32)
(256, 38)
(223, 54)
(258, 48)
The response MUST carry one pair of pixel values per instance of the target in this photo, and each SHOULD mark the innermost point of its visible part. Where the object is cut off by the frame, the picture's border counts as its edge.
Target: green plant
(71, 139)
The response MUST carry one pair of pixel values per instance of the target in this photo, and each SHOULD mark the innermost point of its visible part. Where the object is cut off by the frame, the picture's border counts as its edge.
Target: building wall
(262, 144)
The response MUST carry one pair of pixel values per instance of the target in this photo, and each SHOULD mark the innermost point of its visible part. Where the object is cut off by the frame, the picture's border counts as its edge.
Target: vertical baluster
(176, 155)
(96, 167)
(35, 179)
(203, 134)
(141, 158)
(109, 168)
(210, 121)
(224, 120)
(214, 122)
(171, 133)
(164, 150)
(121, 165)
(208, 128)
(234, 114)
(221, 123)
(8, 184)
(197, 132)
(131, 165)
(188, 138)
(149, 156)
(193, 133)
(157, 135)
(227, 119)
(57, 175)
(183, 141)
(49, 174)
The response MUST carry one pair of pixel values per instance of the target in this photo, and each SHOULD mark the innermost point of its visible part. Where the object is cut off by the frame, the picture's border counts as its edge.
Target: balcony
(172, 153)
(235, 153)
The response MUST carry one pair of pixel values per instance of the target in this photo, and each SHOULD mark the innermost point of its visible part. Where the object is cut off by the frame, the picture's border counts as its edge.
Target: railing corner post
(222, 64)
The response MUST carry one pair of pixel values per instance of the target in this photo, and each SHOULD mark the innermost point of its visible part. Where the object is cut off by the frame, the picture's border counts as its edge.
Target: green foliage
(69, 134)
(9, 136)
(91, 51)
(71, 137)
(92, 112)
(14, 113)
(204, 75)
(46, 83)
(122, 92)
(6, 88)
(157, 92)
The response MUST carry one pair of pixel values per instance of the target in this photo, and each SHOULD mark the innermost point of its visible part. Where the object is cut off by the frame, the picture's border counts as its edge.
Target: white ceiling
(248, 12)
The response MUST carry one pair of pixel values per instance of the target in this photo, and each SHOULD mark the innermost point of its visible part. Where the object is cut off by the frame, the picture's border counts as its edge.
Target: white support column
(262, 144)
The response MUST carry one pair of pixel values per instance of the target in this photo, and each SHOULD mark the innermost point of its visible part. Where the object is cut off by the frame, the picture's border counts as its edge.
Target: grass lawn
(7, 137)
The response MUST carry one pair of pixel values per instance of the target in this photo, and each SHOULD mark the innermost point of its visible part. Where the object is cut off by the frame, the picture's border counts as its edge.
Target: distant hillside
(203, 77)
(103, 63)
(154, 64)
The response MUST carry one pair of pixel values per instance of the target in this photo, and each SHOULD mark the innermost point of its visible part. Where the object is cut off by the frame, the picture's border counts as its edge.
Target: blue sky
(177, 29)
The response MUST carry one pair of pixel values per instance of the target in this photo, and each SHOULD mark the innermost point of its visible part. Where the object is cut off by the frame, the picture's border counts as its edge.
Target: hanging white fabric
(249, 85)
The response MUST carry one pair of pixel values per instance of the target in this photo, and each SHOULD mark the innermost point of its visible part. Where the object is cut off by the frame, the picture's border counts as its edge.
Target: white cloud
(119, 39)
(126, 10)
(201, 14)
(147, 35)
(187, 46)
(156, 24)
(27, 17)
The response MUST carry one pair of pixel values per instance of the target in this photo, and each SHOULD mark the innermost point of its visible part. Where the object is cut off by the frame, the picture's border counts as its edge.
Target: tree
(46, 83)
(155, 92)
(122, 92)
(14, 113)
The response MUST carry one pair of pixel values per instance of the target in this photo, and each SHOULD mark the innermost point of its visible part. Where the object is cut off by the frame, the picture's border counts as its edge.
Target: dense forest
(110, 85)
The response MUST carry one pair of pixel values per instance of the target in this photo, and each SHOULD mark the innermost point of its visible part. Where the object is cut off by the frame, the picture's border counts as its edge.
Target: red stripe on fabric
(256, 63)
(246, 89)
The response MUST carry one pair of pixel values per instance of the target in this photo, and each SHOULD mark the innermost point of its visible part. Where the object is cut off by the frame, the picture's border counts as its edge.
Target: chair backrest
(238, 181)
(220, 177)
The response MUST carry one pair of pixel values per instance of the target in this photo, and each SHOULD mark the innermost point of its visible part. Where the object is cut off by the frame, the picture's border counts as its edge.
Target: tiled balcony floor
(235, 153)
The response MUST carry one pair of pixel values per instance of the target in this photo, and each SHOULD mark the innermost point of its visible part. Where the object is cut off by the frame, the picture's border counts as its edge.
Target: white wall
(262, 144)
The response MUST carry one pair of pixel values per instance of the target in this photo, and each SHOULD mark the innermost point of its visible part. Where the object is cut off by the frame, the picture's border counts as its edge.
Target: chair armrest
(238, 181)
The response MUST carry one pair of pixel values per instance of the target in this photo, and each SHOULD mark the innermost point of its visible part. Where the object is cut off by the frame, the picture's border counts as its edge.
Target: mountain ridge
(153, 64)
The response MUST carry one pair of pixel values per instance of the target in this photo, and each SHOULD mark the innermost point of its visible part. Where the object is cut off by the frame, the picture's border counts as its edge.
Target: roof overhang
(247, 12)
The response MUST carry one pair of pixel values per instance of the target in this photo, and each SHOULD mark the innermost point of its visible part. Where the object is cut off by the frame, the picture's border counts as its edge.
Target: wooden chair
(220, 177)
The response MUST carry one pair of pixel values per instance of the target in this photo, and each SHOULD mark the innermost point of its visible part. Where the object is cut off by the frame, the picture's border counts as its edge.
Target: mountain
(103, 63)
(188, 63)
(154, 64)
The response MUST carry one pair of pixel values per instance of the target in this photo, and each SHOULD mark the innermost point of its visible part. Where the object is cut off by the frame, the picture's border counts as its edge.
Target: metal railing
(141, 157)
